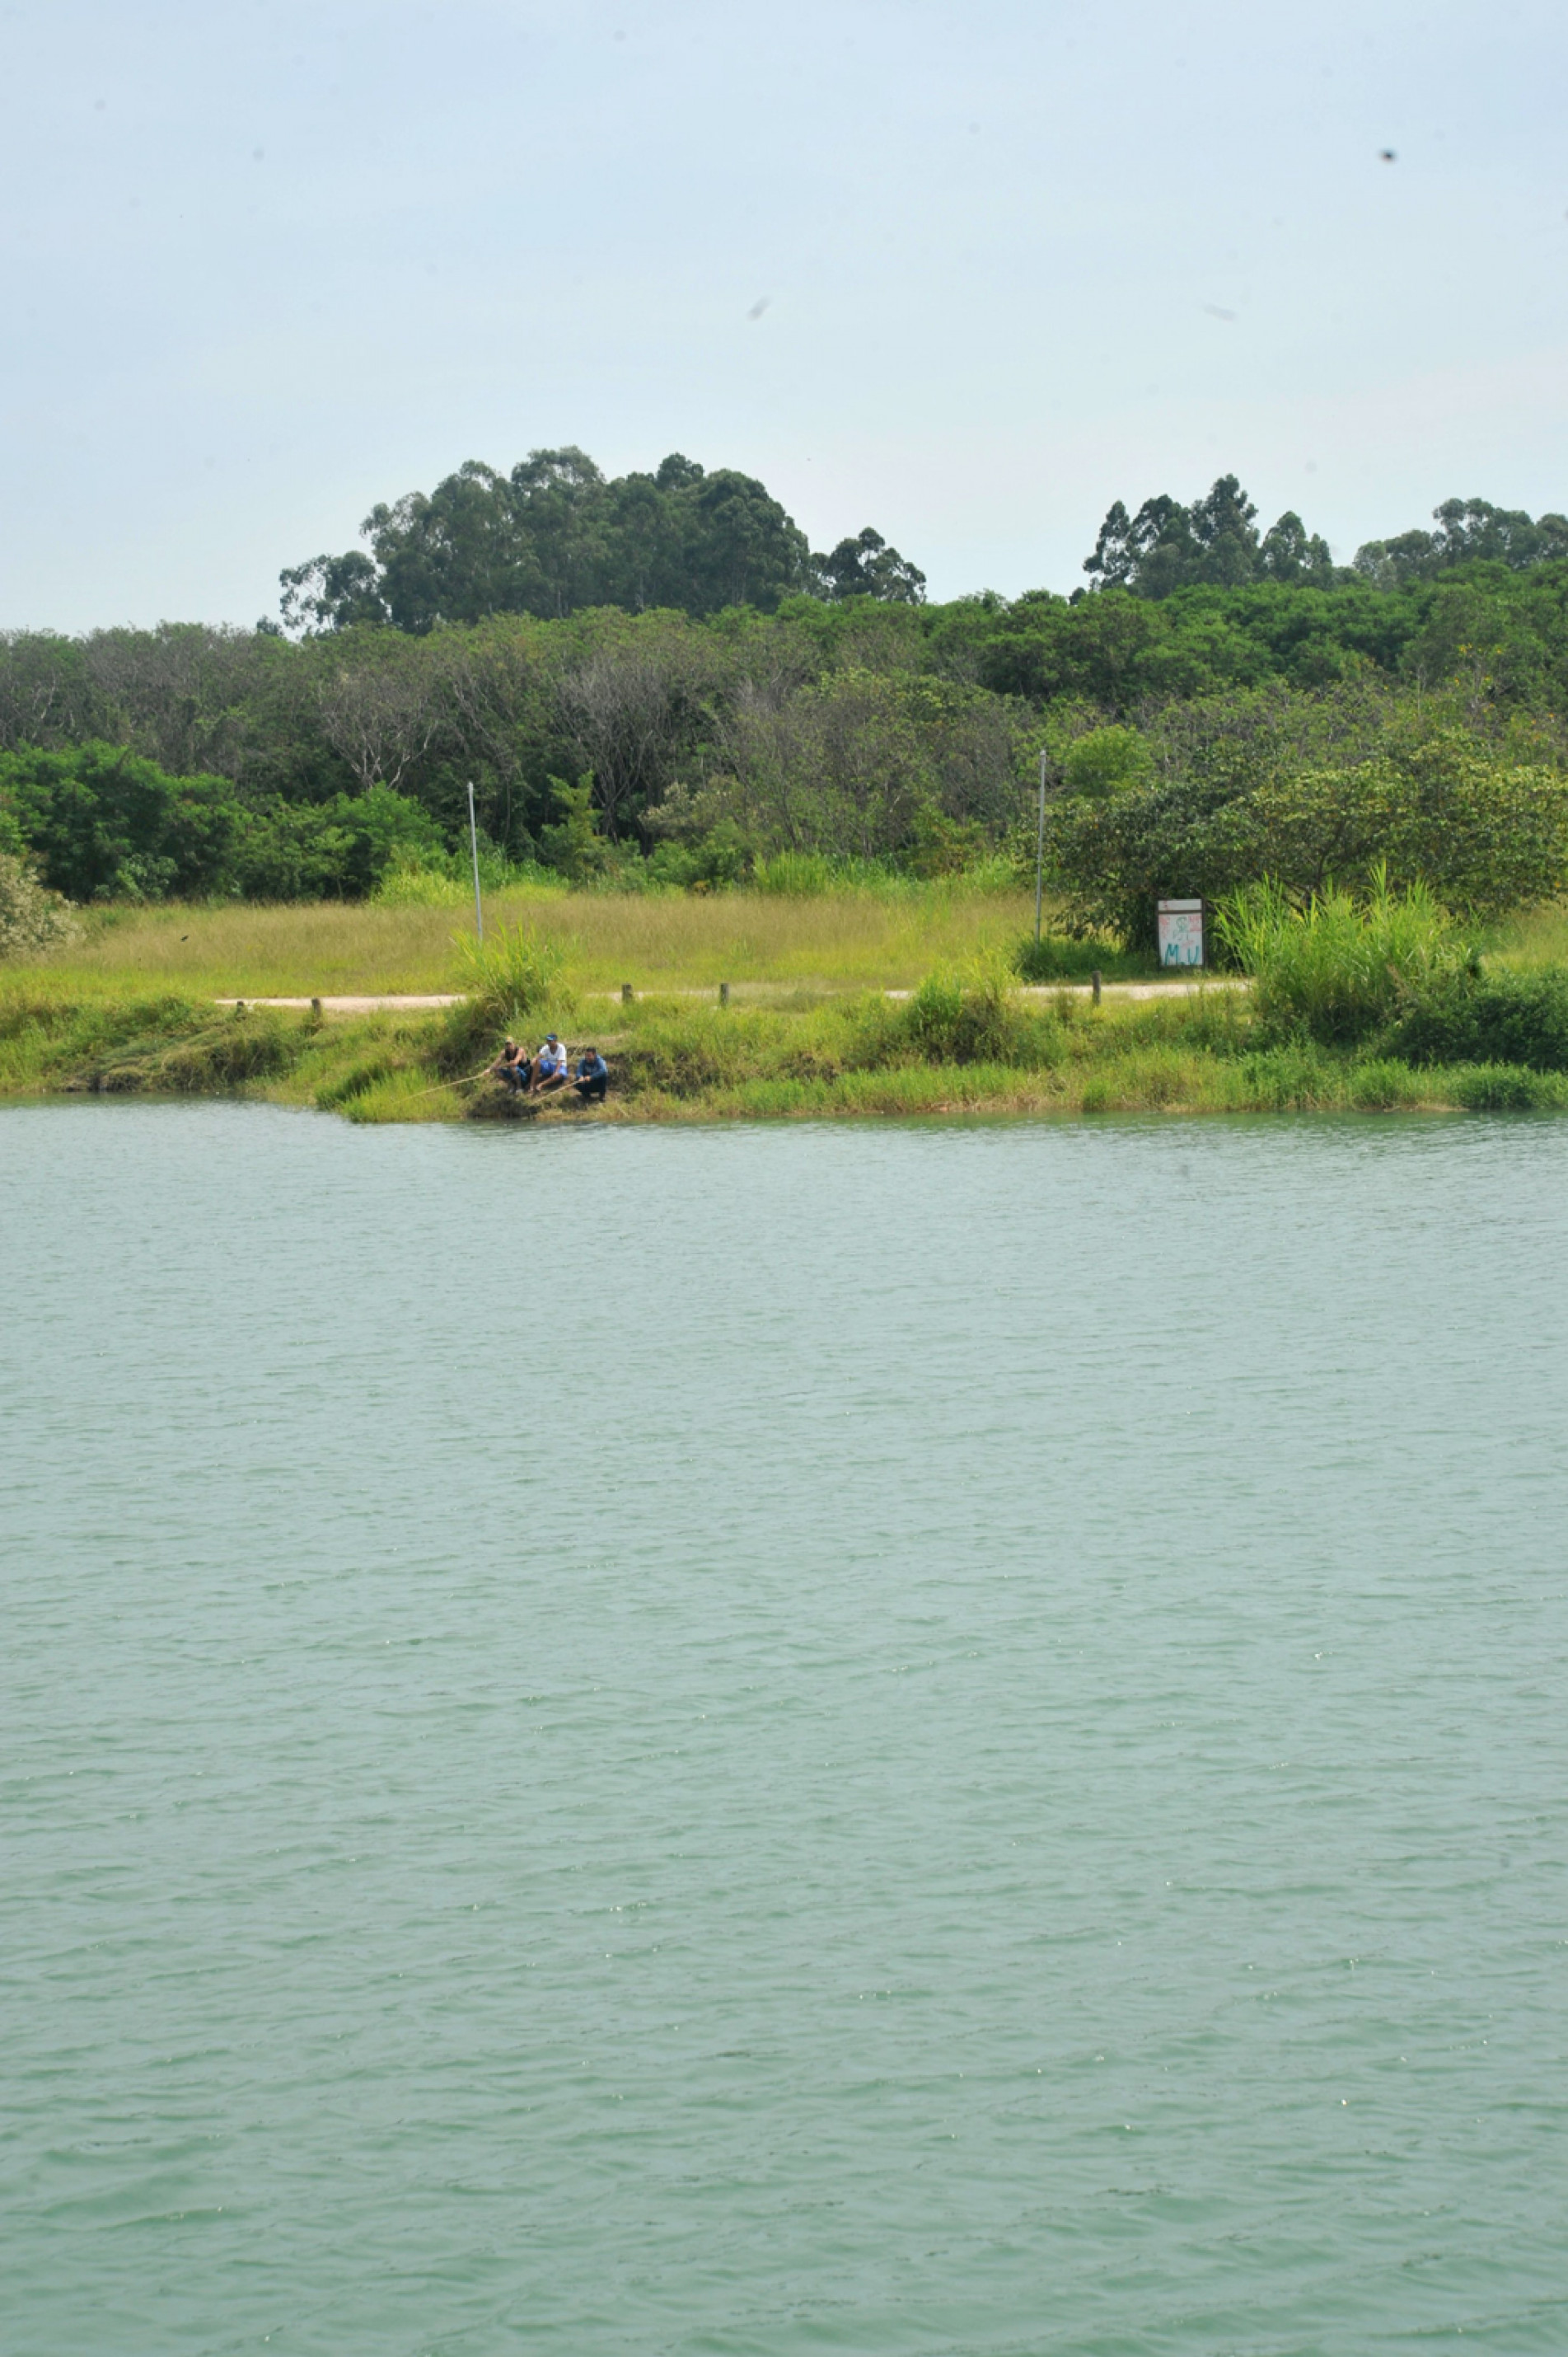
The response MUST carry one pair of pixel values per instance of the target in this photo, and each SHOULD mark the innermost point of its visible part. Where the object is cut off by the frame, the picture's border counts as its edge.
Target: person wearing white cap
(549, 1066)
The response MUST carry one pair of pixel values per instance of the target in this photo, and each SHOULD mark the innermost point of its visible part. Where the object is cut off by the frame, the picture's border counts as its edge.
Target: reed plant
(1057, 957)
(1341, 968)
(515, 973)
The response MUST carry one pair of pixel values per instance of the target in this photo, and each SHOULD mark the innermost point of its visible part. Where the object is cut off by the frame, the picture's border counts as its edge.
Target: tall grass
(836, 941)
(427, 882)
(513, 973)
(1341, 968)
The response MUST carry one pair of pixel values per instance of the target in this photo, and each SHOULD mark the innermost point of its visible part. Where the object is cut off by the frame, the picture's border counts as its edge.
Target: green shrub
(407, 886)
(576, 849)
(1106, 762)
(106, 824)
(1055, 957)
(713, 862)
(951, 1019)
(1500, 1088)
(423, 877)
(32, 917)
(1492, 1018)
(1485, 835)
(1341, 969)
(291, 851)
(794, 875)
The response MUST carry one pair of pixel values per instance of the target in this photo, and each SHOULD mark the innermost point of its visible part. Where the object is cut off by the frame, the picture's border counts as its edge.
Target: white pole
(473, 844)
(1040, 847)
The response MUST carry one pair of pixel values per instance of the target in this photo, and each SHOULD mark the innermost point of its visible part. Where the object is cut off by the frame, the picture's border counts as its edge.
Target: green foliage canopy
(1484, 834)
(105, 823)
(555, 536)
(864, 724)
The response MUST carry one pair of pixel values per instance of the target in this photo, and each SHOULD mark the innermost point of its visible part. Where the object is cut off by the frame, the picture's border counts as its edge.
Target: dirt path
(404, 1003)
(385, 1004)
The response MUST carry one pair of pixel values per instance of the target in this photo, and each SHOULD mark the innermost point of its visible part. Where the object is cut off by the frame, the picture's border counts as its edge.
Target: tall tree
(866, 568)
(555, 536)
(1465, 529)
(1214, 542)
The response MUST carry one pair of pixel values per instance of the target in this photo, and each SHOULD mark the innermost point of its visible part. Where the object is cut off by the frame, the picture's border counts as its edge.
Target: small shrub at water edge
(1493, 1018)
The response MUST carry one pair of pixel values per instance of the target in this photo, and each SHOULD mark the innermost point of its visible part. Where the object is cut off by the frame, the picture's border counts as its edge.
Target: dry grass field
(838, 942)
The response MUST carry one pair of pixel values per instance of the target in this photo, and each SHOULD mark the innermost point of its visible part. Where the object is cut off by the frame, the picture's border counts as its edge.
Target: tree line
(668, 747)
(1215, 542)
(555, 536)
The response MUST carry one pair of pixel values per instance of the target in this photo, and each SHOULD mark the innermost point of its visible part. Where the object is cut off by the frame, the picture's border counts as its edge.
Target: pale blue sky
(268, 261)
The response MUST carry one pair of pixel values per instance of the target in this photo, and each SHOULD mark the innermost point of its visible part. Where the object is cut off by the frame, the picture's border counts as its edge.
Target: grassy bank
(944, 1052)
(809, 1031)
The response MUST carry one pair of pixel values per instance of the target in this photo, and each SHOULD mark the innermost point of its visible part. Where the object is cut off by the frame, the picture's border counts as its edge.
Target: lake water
(761, 1740)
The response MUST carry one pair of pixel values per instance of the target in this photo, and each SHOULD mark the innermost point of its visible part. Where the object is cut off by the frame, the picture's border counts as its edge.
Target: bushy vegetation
(655, 689)
(1393, 971)
(109, 825)
(1251, 794)
(851, 779)
(1491, 1019)
(1341, 969)
(32, 919)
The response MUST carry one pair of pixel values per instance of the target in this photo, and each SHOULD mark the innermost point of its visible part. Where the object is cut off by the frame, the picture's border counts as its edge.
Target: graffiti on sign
(1180, 926)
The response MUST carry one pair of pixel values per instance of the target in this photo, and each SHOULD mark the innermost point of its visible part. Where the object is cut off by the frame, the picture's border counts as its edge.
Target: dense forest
(736, 699)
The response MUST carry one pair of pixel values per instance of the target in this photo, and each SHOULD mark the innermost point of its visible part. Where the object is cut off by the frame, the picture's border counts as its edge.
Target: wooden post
(625, 994)
(723, 993)
(316, 1010)
(1094, 985)
(239, 1006)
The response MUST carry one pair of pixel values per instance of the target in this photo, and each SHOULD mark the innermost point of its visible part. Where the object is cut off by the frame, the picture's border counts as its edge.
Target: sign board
(1180, 924)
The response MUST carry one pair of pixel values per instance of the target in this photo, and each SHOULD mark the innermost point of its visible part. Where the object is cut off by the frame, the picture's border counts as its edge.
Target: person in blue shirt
(592, 1080)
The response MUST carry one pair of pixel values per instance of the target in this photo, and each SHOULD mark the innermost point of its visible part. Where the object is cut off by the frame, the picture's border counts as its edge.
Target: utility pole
(1039, 845)
(474, 846)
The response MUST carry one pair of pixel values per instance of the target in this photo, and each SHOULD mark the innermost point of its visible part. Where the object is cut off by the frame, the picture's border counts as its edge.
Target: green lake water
(861, 1739)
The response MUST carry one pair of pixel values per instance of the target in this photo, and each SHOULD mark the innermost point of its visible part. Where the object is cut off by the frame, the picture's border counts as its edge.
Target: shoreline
(1175, 1048)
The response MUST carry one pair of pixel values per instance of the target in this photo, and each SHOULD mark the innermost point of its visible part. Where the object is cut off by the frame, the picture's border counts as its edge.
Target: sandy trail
(757, 993)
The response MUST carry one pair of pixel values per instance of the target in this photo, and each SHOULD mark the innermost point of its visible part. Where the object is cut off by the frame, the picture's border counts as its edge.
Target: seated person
(510, 1066)
(550, 1066)
(592, 1076)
